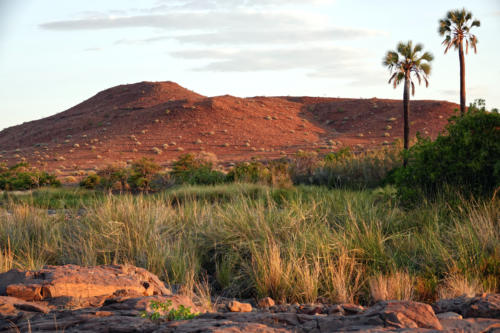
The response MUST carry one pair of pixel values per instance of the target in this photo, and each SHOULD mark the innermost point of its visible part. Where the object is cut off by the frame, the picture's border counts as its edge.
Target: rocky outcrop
(80, 286)
(114, 299)
(483, 306)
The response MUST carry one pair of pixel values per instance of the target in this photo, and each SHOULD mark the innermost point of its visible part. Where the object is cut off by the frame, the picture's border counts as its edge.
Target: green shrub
(195, 170)
(90, 182)
(165, 311)
(142, 173)
(466, 158)
(249, 172)
(276, 173)
(342, 154)
(24, 177)
(113, 177)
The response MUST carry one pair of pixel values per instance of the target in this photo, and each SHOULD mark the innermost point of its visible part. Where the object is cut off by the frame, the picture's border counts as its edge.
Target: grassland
(243, 240)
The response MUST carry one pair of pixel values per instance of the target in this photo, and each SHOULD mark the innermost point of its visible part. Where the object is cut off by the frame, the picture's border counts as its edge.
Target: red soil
(98, 131)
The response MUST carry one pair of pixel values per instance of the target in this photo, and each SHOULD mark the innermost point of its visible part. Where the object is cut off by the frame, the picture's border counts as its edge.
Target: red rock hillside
(162, 120)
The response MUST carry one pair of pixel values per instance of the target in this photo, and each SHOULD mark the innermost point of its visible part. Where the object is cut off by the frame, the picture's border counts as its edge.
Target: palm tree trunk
(462, 78)
(406, 111)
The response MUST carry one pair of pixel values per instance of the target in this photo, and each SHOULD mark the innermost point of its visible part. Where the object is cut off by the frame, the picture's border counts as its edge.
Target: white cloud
(241, 36)
(222, 20)
(262, 37)
(92, 49)
(231, 4)
(320, 62)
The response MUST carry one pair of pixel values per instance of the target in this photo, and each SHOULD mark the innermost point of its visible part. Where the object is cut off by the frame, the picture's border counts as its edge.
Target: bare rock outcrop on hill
(111, 299)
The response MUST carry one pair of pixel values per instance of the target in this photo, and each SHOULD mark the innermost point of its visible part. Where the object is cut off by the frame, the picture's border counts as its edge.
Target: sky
(56, 53)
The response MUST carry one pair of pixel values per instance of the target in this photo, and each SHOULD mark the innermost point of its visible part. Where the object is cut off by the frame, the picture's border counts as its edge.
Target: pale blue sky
(56, 53)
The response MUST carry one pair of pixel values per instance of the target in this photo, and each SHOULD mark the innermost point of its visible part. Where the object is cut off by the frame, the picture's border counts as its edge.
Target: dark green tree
(404, 64)
(455, 28)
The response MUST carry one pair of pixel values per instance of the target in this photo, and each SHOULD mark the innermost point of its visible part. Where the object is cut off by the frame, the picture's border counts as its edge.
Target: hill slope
(163, 120)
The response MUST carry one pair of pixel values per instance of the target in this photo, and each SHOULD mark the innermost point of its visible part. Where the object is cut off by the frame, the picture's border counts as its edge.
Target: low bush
(275, 173)
(113, 177)
(165, 311)
(24, 177)
(91, 182)
(196, 170)
(249, 172)
(142, 173)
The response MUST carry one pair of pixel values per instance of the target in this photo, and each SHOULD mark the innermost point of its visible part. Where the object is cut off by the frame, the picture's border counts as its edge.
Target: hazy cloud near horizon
(319, 62)
(206, 20)
(239, 35)
(217, 4)
(261, 37)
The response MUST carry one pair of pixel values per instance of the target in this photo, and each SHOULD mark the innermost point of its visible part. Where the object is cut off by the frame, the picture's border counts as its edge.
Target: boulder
(405, 314)
(236, 306)
(266, 302)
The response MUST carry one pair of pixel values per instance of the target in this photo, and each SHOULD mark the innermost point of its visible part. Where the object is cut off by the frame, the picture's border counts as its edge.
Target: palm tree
(456, 28)
(404, 64)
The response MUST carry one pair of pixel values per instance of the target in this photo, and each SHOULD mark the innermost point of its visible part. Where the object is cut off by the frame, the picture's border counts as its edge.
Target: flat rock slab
(71, 282)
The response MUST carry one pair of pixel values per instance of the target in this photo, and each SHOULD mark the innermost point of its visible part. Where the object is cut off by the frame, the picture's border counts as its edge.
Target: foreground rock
(112, 299)
(484, 306)
(80, 286)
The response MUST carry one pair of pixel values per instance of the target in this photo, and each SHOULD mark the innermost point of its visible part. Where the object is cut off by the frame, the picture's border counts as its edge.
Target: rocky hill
(162, 120)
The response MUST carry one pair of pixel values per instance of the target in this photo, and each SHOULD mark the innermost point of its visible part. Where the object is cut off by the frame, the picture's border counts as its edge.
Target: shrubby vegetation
(465, 158)
(191, 169)
(165, 311)
(342, 169)
(24, 177)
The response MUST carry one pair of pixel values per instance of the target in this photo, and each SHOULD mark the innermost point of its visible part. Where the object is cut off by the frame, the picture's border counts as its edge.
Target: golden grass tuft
(396, 286)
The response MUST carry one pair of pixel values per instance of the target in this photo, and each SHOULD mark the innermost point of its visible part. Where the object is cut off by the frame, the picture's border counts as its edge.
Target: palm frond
(426, 68)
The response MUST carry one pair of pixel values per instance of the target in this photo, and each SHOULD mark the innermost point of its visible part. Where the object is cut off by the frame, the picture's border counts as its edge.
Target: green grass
(292, 244)
(52, 198)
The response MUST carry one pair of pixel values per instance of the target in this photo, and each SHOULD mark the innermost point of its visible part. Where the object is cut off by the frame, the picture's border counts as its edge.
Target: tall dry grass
(247, 240)
(394, 286)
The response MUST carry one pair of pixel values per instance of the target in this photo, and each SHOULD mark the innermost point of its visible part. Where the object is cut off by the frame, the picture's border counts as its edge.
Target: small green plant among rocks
(165, 311)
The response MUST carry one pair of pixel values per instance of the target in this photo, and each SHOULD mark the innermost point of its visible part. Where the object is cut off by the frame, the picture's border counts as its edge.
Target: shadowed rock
(484, 306)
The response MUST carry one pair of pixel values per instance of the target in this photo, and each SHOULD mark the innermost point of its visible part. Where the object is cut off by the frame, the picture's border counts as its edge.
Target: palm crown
(406, 62)
(456, 28)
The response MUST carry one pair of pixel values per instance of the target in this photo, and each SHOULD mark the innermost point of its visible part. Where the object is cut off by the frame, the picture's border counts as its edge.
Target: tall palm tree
(455, 27)
(404, 64)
